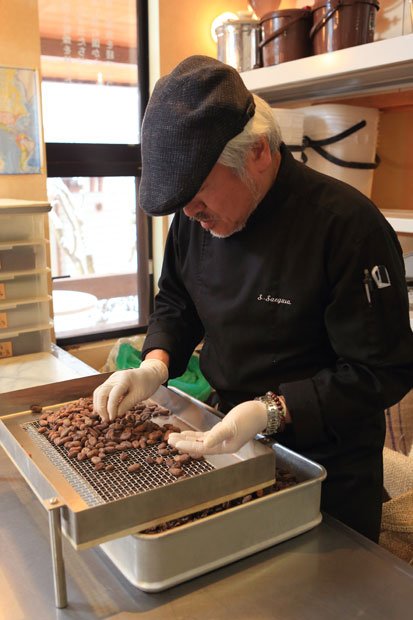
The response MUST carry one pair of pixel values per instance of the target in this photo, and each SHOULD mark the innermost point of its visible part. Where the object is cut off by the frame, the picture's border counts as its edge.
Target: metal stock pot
(237, 42)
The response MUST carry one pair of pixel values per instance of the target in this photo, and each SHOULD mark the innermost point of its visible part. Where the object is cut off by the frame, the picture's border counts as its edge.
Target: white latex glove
(125, 388)
(240, 425)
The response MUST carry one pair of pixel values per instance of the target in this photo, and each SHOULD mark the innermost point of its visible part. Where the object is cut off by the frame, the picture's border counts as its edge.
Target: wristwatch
(276, 412)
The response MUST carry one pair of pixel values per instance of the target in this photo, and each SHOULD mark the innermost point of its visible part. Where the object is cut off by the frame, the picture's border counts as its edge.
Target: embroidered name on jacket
(274, 300)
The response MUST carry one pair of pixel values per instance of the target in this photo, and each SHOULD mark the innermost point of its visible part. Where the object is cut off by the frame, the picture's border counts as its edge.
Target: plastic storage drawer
(16, 286)
(14, 257)
(24, 314)
(23, 342)
(21, 227)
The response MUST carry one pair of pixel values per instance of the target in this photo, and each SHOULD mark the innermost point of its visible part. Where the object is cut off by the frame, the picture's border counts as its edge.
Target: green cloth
(192, 382)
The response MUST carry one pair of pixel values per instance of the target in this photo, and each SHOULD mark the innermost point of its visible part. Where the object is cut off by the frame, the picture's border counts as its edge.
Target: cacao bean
(134, 468)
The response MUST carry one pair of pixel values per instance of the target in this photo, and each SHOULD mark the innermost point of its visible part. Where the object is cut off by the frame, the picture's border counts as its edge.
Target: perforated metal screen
(99, 487)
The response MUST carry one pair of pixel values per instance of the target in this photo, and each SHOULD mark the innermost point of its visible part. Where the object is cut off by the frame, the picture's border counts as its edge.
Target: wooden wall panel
(393, 179)
(184, 28)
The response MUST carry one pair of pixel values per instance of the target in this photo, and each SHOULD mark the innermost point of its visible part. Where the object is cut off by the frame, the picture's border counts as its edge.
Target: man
(293, 280)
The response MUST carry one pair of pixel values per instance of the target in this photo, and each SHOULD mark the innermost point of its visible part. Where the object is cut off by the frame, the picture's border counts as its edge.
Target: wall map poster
(19, 122)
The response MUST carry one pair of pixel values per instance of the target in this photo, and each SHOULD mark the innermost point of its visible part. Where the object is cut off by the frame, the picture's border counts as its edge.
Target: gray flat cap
(192, 114)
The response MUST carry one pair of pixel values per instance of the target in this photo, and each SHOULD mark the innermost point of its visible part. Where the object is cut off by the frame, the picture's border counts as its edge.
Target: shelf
(11, 205)
(374, 67)
(400, 221)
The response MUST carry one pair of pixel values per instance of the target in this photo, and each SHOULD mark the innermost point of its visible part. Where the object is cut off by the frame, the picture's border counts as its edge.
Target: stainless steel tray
(74, 499)
(155, 562)
(91, 513)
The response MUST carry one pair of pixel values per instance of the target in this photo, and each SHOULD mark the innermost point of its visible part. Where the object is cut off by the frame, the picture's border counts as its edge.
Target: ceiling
(103, 19)
(65, 25)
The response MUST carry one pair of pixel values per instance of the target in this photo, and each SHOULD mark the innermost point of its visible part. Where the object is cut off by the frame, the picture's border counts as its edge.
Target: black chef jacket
(289, 304)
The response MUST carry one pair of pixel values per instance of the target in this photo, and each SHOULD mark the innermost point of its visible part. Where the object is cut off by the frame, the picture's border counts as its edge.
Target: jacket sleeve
(370, 332)
(174, 325)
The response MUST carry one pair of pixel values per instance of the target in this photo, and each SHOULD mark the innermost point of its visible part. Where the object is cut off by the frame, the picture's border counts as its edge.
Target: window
(94, 90)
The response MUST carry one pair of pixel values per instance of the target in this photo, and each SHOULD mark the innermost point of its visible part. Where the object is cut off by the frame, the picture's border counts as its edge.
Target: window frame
(109, 160)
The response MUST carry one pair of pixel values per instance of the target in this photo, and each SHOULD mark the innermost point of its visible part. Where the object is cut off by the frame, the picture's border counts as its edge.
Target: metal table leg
(59, 577)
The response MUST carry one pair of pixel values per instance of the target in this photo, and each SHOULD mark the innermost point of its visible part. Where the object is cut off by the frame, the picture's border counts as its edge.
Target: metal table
(327, 573)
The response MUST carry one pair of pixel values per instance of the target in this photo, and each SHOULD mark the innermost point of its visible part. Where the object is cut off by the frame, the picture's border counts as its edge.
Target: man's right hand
(125, 388)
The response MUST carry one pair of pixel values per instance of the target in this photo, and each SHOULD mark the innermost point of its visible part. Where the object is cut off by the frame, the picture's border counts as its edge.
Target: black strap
(291, 147)
(317, 146)
(340, 136)
(298, 148)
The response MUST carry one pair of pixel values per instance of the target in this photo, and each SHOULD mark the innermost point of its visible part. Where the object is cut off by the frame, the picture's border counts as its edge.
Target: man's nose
(193, 207)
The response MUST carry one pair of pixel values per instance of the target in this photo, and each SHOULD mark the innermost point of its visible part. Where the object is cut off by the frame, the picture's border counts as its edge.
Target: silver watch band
(275, 414)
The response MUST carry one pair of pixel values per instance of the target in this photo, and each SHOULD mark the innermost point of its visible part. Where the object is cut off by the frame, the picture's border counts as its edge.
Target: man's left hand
(240, 425)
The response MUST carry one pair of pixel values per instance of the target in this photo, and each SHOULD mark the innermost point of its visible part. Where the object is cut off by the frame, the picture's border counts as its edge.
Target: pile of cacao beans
(77, 429)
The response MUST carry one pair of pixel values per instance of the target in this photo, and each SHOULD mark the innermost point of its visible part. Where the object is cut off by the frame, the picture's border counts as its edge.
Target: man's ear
(261, 154)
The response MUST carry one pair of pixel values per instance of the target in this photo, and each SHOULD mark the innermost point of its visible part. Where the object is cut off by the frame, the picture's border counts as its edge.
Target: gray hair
(263, 123)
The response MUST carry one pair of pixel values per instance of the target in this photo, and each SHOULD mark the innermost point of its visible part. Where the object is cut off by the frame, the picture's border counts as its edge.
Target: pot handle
(279, 31)
(322, 22)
